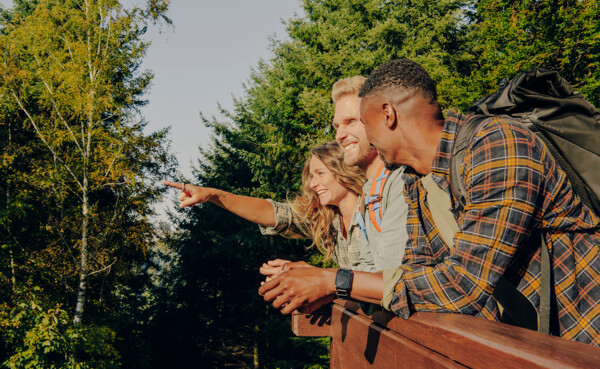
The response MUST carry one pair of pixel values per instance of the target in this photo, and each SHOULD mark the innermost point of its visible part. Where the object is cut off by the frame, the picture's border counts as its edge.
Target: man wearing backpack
(513, 187)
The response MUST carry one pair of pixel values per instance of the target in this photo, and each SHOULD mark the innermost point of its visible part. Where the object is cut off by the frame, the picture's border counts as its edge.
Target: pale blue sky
(205, 60)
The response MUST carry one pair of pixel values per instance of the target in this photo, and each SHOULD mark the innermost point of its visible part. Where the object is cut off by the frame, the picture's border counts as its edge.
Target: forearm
(259, 211)
(306, 286)
(367, 287)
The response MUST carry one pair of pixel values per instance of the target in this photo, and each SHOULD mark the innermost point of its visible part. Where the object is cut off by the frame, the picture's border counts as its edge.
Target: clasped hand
(299, 285)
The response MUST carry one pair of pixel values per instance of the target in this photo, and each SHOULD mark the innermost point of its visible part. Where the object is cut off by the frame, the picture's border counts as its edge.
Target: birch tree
(71, 68)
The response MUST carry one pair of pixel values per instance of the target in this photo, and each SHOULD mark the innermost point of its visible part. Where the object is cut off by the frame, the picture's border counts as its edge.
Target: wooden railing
(436, 340)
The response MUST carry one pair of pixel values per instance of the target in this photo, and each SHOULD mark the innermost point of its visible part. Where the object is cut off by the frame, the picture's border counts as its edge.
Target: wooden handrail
(436, 340)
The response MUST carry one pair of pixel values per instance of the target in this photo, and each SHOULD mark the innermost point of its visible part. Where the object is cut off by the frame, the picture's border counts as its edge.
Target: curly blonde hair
(320, 218)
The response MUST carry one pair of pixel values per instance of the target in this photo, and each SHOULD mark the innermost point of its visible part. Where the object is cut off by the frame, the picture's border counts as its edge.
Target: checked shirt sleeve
(502, 172)
(287, 223)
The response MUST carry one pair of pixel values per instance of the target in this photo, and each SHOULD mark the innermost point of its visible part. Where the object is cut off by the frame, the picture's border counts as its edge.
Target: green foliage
(81, 177)
(511, 36)
(288, 107)
(46, 338)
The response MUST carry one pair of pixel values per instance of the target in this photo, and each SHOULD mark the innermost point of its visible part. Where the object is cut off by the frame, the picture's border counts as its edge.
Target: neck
(426, 151)
(346, 206)
(371, 168)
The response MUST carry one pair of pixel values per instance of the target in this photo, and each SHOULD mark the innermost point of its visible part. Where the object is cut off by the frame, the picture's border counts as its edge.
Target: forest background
(89, 281)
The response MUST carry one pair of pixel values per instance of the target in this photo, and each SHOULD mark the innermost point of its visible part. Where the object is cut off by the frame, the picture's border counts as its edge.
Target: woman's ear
(391, 119)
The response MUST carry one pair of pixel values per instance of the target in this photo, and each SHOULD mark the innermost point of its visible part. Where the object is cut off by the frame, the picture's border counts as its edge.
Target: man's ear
(391, 119)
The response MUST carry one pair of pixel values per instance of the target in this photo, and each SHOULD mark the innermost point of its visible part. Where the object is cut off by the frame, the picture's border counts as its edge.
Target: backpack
(372, 203)
(570, 127)
(567, 123)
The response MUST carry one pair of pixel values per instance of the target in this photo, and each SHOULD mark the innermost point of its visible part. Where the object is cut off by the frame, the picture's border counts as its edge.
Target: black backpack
(546, 104)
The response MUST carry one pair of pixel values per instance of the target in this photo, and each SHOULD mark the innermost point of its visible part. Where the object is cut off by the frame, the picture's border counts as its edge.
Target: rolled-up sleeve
(287, 223)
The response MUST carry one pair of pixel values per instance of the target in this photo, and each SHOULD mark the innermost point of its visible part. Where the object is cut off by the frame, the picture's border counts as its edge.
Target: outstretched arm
(256, 210)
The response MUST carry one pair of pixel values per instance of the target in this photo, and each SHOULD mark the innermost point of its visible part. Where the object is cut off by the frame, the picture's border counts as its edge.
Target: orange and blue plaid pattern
(514, 186)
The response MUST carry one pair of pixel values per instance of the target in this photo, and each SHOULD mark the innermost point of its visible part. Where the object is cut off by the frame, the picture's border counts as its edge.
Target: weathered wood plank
(436, 340)
(358, 342)
(480, 343)
(317, 324)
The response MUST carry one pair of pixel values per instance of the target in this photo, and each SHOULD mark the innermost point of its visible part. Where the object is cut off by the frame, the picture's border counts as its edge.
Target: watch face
(343, 282)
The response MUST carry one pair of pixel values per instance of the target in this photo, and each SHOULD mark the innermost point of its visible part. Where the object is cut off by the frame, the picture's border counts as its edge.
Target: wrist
(331, 274)
(216, 195)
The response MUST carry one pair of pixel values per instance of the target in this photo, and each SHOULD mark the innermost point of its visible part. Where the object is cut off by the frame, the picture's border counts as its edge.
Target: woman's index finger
(176, 185)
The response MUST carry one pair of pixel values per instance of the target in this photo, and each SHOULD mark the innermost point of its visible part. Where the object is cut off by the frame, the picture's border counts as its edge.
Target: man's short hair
(399, 73)
(346, 86)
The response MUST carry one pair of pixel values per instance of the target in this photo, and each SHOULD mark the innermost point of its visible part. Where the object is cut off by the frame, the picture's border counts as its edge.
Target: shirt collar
(354, 221)
(441, 161)
(337, 224)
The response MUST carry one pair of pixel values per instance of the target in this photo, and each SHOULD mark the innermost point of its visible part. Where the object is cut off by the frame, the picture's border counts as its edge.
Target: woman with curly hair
(325, 211)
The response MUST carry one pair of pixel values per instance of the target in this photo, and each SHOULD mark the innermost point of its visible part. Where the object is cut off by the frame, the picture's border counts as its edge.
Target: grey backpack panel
(568, 124)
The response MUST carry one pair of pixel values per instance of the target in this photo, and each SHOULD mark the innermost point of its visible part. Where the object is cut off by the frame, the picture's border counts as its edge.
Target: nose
(340, 133)
(313, 183)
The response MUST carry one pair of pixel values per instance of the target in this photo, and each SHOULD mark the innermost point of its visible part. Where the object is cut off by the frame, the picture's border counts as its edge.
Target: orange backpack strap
(373, 201)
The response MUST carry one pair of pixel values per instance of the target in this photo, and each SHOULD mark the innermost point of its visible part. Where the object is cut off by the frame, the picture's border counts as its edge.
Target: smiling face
(323, 182)
(376, 131)
(350, 132)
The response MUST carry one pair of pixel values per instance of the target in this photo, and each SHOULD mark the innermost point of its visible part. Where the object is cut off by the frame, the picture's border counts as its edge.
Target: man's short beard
(364, 159)
(388, 166)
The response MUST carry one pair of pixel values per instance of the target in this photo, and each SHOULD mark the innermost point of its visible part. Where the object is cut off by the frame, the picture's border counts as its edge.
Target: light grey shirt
(385, 249)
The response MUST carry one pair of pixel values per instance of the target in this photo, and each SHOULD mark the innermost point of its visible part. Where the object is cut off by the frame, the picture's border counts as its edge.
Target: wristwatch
(343, 283)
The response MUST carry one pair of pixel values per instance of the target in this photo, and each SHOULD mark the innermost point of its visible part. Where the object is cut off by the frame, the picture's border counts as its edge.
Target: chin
(351, 159)
(324, 202)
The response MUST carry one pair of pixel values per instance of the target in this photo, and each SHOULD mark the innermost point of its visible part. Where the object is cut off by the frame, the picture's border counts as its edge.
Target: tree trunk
(256, 358)
(77, 319)
(13, 278)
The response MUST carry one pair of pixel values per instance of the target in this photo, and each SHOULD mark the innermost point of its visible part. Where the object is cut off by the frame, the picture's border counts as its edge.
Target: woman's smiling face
(323, 182)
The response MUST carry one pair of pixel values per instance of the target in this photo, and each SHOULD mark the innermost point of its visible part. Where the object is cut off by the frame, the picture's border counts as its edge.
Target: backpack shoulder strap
(440, 207)
(516, 308)
(360, 217)
(373, 202)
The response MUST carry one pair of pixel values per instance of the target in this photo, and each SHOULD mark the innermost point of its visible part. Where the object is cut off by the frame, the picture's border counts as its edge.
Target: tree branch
(41, 136)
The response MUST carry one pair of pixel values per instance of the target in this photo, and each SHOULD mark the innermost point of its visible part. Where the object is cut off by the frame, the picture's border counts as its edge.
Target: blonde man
(383, 208)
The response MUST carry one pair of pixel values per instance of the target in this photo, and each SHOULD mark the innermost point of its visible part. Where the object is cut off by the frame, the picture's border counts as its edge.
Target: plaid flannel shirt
(291, 225)
(514, 186)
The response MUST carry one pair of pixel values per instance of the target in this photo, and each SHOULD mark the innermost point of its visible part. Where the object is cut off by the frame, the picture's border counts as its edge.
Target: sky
(204, 60)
